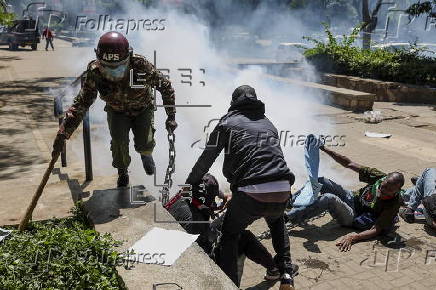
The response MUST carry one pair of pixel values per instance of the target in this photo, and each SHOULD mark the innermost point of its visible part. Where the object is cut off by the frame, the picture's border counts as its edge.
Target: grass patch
(341, 57)
(60, 254)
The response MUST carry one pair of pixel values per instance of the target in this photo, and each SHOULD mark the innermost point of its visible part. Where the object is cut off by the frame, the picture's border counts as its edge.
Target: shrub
(59, 254)
(341, 57)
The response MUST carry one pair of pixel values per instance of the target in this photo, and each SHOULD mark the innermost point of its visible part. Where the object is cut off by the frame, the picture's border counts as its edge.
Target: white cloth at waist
(273, 186)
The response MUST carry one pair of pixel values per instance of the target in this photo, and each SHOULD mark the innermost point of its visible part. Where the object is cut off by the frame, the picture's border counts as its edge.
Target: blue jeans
(425, 186)
(339, 202)
(309, 193)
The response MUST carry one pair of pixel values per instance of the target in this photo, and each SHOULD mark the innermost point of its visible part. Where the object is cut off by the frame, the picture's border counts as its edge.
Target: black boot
(407, 214)
(123, 177)
(148, 163)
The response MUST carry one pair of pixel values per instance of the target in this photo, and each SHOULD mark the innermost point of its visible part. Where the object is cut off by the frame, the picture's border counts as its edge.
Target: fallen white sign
(377, 135)
(165, 246)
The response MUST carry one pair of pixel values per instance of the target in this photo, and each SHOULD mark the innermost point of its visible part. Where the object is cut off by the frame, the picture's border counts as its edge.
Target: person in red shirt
(48, 35)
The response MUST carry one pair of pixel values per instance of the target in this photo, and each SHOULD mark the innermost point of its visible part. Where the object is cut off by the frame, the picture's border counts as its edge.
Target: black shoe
(274, 274)
(414, 180)
(407, 214)
(148, 163)
(123, 178)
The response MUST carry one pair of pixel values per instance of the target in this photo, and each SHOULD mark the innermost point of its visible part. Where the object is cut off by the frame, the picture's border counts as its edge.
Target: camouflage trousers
(142, 126)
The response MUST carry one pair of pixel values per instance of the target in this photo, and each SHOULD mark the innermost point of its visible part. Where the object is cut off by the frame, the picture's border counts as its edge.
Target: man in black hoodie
(259, 177)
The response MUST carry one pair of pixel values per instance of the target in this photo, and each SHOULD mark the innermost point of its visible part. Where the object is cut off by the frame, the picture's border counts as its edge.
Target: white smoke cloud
(185, 43)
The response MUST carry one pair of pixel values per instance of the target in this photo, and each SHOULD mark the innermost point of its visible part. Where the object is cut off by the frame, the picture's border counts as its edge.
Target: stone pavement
(402, 261)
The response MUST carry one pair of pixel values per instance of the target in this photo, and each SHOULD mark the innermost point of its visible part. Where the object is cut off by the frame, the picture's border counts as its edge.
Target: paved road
(27, 129)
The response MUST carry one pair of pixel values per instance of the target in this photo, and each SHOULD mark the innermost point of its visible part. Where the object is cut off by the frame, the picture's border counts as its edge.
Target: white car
(392, 46)
(428, 49)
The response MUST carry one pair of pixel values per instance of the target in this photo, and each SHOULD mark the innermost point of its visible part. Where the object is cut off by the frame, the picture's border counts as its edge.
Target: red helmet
(112, 48)
(113, 53)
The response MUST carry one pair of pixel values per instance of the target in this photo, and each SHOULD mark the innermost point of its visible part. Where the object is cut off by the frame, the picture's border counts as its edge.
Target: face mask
(115, 73)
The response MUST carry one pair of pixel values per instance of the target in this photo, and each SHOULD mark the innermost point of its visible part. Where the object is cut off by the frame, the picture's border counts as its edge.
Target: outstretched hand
(345, 243)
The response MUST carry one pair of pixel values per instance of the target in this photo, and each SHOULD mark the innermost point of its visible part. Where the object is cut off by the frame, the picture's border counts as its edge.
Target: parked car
(21, 33)
(426, 49)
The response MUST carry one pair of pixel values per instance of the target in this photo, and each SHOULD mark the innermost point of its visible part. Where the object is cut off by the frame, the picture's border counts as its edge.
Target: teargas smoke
(189, 46)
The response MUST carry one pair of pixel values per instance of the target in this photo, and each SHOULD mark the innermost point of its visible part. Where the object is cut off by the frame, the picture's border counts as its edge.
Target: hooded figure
(259, 178)
(251, 145)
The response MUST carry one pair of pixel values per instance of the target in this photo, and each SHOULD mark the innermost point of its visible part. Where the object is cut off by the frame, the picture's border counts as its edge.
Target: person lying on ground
(201, 207)
(423, 191)
(372, 208)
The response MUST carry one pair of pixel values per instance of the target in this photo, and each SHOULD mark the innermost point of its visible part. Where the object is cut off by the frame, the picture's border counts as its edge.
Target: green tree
(5, 17)
(421, 8)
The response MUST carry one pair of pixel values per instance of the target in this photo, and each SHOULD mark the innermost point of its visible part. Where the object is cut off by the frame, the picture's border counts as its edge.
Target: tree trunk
(366, 17)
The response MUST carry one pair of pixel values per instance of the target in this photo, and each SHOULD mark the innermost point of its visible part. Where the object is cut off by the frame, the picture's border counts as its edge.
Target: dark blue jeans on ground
(339, 202)
(242, 211)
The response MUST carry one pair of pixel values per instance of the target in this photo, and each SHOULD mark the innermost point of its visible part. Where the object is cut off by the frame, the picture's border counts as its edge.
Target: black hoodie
(251, 145)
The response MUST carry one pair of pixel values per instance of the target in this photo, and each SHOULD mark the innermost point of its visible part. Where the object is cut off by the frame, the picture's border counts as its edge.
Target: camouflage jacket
(130, 95)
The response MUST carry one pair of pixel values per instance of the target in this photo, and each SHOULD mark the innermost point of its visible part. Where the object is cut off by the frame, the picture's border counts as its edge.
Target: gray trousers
(339, 202)
(49, 41)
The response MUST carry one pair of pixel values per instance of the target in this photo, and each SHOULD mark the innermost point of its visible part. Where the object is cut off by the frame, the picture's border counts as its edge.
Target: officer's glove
(171, 123)
(58, 144)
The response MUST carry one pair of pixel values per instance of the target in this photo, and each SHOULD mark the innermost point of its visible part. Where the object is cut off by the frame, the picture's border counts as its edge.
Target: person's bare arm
(341, 159)
(347, 241)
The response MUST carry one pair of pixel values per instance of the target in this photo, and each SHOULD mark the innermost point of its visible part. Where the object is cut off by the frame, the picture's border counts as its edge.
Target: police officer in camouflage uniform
(124, 81)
